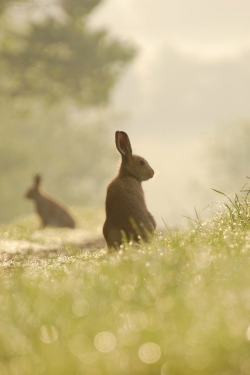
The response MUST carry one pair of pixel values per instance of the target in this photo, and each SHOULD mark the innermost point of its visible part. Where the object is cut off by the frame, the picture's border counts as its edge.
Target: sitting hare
(126, 212)
(51, 212)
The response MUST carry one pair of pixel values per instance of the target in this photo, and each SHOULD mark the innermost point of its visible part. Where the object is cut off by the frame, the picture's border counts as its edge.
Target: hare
(127, 216)
(51, 212)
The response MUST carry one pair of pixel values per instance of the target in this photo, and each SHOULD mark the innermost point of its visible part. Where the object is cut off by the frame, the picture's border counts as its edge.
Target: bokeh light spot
(105, 342)
(149, 352)
(248, 333)
(48, 334)
(80, 308)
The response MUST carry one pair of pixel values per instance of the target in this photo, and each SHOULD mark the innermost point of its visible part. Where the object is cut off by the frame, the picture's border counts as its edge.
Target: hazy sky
(211, 28)
(192, 74)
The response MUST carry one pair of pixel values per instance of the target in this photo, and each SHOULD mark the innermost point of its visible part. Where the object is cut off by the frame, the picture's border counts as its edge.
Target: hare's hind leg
(112, 235)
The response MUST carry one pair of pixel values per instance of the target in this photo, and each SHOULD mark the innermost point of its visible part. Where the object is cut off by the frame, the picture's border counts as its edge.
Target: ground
(178, 305)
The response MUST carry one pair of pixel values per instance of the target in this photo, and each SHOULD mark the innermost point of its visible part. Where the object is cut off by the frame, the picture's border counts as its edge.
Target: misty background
(174, 74)
(187, 97)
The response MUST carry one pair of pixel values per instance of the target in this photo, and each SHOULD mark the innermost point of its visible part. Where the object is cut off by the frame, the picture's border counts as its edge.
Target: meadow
(179, 305)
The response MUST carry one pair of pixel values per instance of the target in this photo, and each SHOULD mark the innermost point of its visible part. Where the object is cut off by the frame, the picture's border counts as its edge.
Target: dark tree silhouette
(61, 56)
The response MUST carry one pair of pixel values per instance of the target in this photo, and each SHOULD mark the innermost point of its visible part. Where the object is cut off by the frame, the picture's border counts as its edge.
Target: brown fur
(126, 211)
(51, 212)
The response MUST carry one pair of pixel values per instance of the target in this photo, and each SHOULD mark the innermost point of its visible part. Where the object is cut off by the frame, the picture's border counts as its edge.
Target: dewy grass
(179, 305)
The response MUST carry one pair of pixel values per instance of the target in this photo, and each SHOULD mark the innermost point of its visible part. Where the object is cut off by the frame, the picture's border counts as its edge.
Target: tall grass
(179, 305)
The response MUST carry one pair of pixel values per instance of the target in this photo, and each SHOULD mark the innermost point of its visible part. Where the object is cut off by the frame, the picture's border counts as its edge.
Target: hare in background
(126, 212)
(50, 211)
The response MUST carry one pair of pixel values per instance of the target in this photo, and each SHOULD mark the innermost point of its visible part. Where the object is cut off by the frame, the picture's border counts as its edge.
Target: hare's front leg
(152, 220)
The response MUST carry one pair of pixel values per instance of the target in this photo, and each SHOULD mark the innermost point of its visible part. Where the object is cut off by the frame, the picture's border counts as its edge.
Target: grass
(179, 305)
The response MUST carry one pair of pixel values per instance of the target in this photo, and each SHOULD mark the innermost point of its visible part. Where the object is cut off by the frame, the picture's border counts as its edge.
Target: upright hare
(126, 212)
(51, 212)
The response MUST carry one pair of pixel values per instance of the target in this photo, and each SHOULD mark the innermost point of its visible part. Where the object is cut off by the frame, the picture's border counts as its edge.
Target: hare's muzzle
(151, 173)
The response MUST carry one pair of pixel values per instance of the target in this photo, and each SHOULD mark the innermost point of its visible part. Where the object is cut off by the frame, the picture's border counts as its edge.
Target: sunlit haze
(191, 75)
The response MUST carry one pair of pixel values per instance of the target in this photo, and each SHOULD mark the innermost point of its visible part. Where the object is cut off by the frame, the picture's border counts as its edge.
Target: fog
(182, 99)
(191, 75)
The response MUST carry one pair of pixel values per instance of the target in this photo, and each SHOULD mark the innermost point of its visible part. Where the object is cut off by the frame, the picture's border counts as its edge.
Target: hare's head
(34, 190)
(132, 165)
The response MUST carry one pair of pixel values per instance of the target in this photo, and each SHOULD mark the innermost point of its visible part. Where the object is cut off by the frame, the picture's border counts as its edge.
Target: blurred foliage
(77, 9)
(56, 76)
(59, 54)
(4, 4)
(229, 155)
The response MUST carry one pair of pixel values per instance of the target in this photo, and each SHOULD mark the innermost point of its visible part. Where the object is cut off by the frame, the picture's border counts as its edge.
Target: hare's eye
(142, 162)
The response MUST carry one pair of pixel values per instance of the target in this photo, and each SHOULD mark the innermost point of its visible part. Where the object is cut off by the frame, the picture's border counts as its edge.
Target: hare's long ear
(37, 180)
(123, 144)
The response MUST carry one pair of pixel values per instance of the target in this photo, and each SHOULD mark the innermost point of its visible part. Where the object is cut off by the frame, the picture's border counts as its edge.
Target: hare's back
(60, 210)
(125, 190)
(125, 200)
(55, 213)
